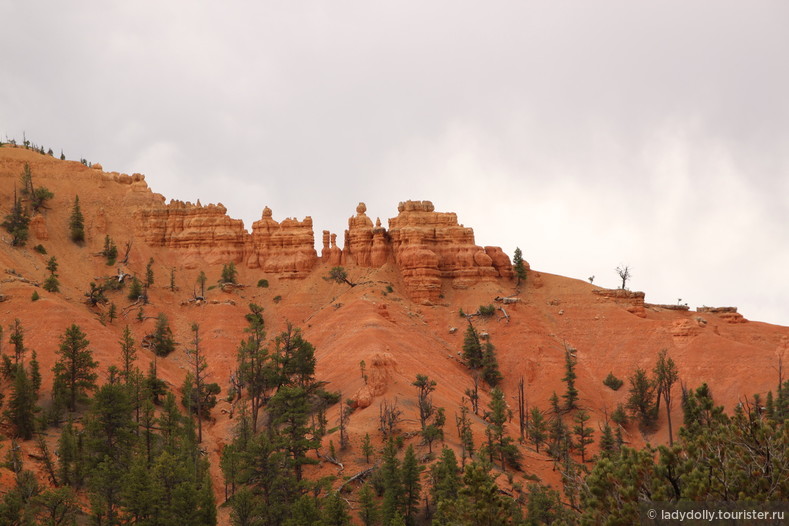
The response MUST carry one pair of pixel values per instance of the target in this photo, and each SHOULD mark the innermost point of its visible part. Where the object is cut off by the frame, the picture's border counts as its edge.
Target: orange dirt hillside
(401, 317)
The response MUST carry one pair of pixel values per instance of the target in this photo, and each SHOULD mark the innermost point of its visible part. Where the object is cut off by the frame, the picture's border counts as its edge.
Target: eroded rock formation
(206, 233)
(427, 246)
(287, 248)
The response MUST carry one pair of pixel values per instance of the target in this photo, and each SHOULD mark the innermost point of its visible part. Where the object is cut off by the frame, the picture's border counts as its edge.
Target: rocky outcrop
(728, 314)
(205, 233)
(633, 301)
(287, 248)
(429, 245)
(38, 226)
(331, 253)
(359, 239)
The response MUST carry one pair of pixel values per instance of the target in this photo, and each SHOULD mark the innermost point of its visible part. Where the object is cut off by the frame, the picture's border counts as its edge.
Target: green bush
(35, 296)
(613, 382)
(40, 249)
(486, 310)
(263, 283)
(277, 299)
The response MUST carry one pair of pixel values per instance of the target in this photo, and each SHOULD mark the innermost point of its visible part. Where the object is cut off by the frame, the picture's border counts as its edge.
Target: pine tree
(17, 339)
(75, 366)
(500, 444)
(198, 366)
(571, 395)
(162, 341)
(445, 477)
(229, 273)
(666, 375)
(490, 366)
(367, 447)
(149, 273)
(52, 284)
(16, 223)
(290, 411)
(582, 433)
(641, 401)
(392, 480)
(368, 509)
(465, 434)
(110, 251)
(335, 511)
(135, 289)
(412, 487)
(256, 367)
(77, 223)
(537, 428)
(22, 405)
(608, 444)
(35, 373)
(472, 348)
(128, 352)
(518, 266)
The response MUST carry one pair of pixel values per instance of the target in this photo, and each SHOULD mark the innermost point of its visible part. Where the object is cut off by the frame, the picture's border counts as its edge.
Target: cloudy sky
(652, 134)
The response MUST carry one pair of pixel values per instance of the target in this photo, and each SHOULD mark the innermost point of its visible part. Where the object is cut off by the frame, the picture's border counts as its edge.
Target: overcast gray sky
(654, 134)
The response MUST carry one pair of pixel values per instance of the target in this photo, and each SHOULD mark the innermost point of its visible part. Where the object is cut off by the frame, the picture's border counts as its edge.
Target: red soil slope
(396, 336)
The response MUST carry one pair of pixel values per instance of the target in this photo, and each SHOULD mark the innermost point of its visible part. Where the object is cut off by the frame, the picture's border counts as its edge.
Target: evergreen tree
(571, 395)
(77, 223)
(22, 404)
(367, 447)
(583, 434)
(16, 223)
(472, 348)
(162, 341)
(128, 352)
(290, 411)
(335, 511)
(465, 435)
(75, 366)
(110, 435)
(203, 392)
(500, 444)
(641, 401)
(229, 273)
(478, 502)
(149, 273)
(490, 366)
(392, 481)
(445, 477)
(256, 367)
(110, 251)
(35, 374)
(295, 358)
(412, 487)
(518, 266)
(201, 279)
(70, 456)
(52, 284)
(666, 375)
(17, 339)
(608, 443)
(368, 509)
(537, 428)
(135, 289)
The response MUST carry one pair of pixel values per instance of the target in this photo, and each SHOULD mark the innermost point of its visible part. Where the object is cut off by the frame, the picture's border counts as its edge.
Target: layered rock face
(205, 233)
(287, 248)
(427, 246)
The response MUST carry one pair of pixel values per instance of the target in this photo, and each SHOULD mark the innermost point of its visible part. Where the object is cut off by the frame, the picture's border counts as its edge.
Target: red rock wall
(426, 245)
(205, 233)
(287, 248)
